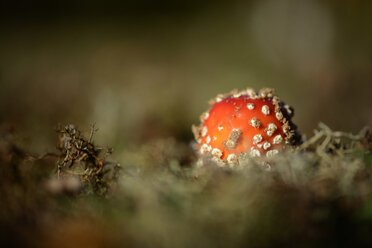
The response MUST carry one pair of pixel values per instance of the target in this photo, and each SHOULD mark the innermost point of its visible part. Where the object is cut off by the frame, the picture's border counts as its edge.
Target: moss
(317, 195)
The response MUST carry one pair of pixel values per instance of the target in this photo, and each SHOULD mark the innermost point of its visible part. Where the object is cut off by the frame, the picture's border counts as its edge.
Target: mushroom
(245, 123)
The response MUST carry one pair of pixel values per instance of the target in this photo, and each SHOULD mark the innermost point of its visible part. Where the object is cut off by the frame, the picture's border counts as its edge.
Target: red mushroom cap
(242, 124)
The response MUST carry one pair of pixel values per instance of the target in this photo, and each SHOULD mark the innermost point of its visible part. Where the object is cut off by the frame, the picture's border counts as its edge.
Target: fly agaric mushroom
(245, 124)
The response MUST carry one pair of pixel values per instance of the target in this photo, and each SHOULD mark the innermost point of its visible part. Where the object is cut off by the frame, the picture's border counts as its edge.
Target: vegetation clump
(79, 156)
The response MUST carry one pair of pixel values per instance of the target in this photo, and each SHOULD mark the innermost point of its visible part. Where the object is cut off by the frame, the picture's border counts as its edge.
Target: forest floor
(318, 195)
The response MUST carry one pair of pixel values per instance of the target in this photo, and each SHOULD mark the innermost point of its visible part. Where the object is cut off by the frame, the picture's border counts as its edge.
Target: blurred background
(143, 70)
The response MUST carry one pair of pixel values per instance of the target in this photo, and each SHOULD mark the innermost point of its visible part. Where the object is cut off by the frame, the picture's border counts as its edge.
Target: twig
(47, 154)
(92, 131)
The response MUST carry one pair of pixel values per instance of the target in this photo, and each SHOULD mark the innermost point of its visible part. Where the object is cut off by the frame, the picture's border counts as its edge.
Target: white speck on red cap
(265, 110)
(205, 148)
(279, 115)
(204, 116)
(255, 153)
(278, 139)
(204, 131)
(254, 122)
(271, 153)
(216, 152)
(266, 145)
(257, 138)
(237, 95)
(232, 159)
(271, 129)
